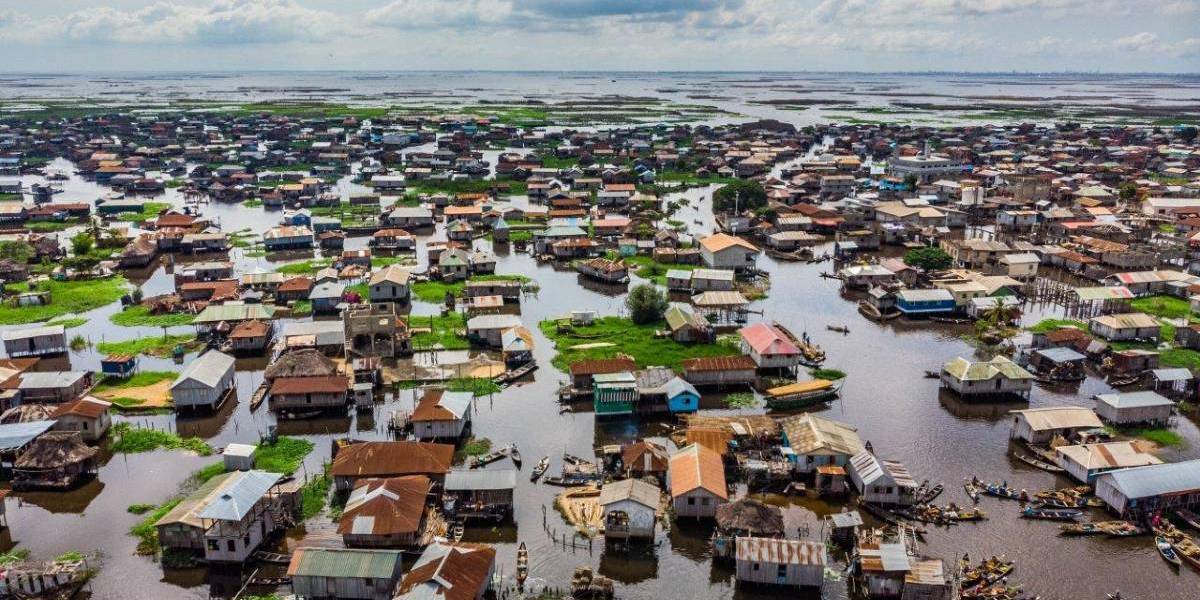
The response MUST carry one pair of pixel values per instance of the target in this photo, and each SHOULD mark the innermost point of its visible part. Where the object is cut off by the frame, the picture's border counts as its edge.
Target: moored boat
(1041, 464)
(1051, 514)
(522, 565)
(515, 455)
(972, 491)
(1167, 551)
(540, 468)
(801, 394)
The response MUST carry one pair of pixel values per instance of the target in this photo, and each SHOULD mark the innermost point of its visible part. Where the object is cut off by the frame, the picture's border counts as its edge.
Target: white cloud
(440, 14)
(1146, 42)
(219, 22)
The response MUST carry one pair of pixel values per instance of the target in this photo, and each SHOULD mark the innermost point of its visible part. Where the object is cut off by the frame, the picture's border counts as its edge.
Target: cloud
(440, 14)
(1146, 42)
(219, 22)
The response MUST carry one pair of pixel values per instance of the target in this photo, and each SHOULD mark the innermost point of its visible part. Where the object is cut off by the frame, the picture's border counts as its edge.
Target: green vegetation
(145, 532)
(16, 251)
(740, 400)
(473, 447)
(448, 331)
(207, 472)
(127, 438)
(284, 456)
(609, 336)
(140, 509)
(479, 386)
(646, 304)
(308, 267)
(315, 493)
(1162, 306)
(434, 292)
(139, 316)
(69, 322)
(742, 194)
(69, 556)
(929, 259)
(137, 380)
(652, 270)
(149, 211)
(14, 556)
(66, 297)
(1161, 436)
(78, 343)
(1048, 325)
(47, 226)
(159, 346)
(830, 374)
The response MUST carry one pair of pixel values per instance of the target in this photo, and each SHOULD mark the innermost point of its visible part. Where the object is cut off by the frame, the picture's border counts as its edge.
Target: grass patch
(1179, 357)
(158, 346)
(479, 386)
(652, 270)
(434, 292)
(1159, 435)
(306, 267)
(1048, 325)
(830, 374)
(69, 556)
(284, 456)
(315, 493)
(66, 297)
(139, 509)
(473, 447)
(636, 341)
(69, 322)
(137, 380)
(139, 316)
(145, 532)
(740, 400)
(14, 556)
(149, 211)
(203, 474)
(48, 226)
(129, 439)
(445, 331)
(1169, 307)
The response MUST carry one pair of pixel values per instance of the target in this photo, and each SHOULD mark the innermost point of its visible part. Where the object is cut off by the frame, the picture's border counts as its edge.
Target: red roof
(602, 365)
(387, 459)
(325, 384)
(740, 362)
(768, 340)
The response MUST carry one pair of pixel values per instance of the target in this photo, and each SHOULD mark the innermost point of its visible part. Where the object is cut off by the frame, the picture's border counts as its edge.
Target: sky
(637, 35)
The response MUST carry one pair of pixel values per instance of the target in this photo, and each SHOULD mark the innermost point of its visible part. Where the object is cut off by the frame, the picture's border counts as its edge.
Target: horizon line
(611, 71)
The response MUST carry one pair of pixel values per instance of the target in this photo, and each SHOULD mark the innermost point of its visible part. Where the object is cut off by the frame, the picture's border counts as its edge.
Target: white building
(1134, 408)
(1038, 426)
(881, 481)
(1085, 462)
(205, 382)
(790, 563)
(442, 414)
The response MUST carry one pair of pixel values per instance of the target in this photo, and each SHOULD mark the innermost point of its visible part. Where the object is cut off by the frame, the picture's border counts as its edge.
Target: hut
(49, 340)
(344, 573)
(746, 517)
(1086, 462)
(686, 326)
(385, 512)
(464, 568)
(814, 441)
(779, 562)
(304, 396)
(990, 378)
(389, 459)
(720, 371)
(118, 365)
(1038, 426)
(250, 337)
(206, 382)
(881, 481)
(442, 414)
(630, 508)
(1134, 408)
(53, 386)
(644, 459)
(305, 362)
(239, 457)
(55, 460)
(485, 494)
(87, 415)
(696, 481)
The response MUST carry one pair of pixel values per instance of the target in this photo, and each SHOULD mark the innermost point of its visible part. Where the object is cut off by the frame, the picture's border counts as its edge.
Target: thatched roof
(306, 362)
(55, 449)
(27, 413)
(752, 516)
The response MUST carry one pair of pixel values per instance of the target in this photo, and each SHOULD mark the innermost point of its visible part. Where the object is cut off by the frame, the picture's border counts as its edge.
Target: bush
(929, 259)
(746, 194)
(646, 304)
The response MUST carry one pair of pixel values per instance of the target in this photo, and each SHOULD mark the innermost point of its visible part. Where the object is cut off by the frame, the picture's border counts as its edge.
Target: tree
(929, 259)
(81, 244)
(646, 304)
(1128, 191)
(746, 194)
(1188, 134)
(16, 251)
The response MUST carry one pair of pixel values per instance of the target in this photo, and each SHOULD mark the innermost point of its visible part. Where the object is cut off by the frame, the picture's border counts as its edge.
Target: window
(691, 501)
(755, 566)
(704, 501)
(231, 545)
(214, 545)
(782, 571)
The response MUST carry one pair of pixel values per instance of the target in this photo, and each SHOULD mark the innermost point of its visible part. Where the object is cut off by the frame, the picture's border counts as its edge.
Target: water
(886, 398)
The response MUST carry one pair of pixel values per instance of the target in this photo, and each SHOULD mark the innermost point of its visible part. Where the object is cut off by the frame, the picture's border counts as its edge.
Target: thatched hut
(55, 460)
(306, 362)
(745, 518)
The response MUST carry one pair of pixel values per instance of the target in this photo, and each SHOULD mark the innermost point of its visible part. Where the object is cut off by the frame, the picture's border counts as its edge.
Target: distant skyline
(997, 36)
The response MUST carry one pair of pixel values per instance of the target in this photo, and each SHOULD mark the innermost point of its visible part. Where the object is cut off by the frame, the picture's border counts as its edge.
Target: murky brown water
(885, 397)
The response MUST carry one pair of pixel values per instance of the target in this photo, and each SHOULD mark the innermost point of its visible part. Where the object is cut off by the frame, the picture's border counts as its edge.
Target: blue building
(925, 302)
(681, 396)
(118, 365)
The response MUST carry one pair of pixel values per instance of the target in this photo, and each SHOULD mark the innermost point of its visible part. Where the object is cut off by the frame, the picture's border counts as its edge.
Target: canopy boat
(1052, 514)
(801, 394)
(540, 468)
(522, 565)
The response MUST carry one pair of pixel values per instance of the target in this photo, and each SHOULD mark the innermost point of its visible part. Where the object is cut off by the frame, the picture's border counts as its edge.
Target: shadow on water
(629, 563)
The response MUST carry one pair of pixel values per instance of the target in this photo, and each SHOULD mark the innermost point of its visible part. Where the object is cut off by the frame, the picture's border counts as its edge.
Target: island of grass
(149, 211)
(652, 270)
(445, 331)
(1048, 325)
(145, 390)
(435, 291)
(145, 531)
(139, 316)
(129, 439)
(161, 346)
(609, 336)
(66, 298)
(1168, 307)
(306, 267)
(284, 456)
(478, 386)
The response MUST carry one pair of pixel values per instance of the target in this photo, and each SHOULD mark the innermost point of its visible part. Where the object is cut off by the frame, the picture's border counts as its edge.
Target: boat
(569, 481)
(801, 394)
(476, 462)
(1081, 529)
(1124, 381)
(932, 375)
(925, 494)
(1121, 529)
(1051, 514)
(1167, 551)
(972, 491)
(869, 311)
(540, 468)
(1063, 503)
(522, 565)
(515, 455)
(838, 328)
(1190, 518)
(1187, 550)
(1041, 464)
(826, 275)
(571, 459)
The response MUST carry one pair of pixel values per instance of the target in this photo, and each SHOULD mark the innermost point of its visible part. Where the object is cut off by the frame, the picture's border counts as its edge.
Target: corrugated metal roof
(215, 313)
(21, 334)
(245, 488)
(1156, 480)
(499, 321)
(208, 369)
(777, 551)
(1060, 417)
(1134, 399)
(697, 466)
(497, 479)
(344, 563)
(16, 435)
(870, 469)
(808, 433)
(965, 370)
(630, 489)
(50, 379)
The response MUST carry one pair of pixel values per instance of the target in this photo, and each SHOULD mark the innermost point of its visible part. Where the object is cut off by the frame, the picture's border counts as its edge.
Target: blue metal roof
(1157, 480)
(241, 492)
(16, 435)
